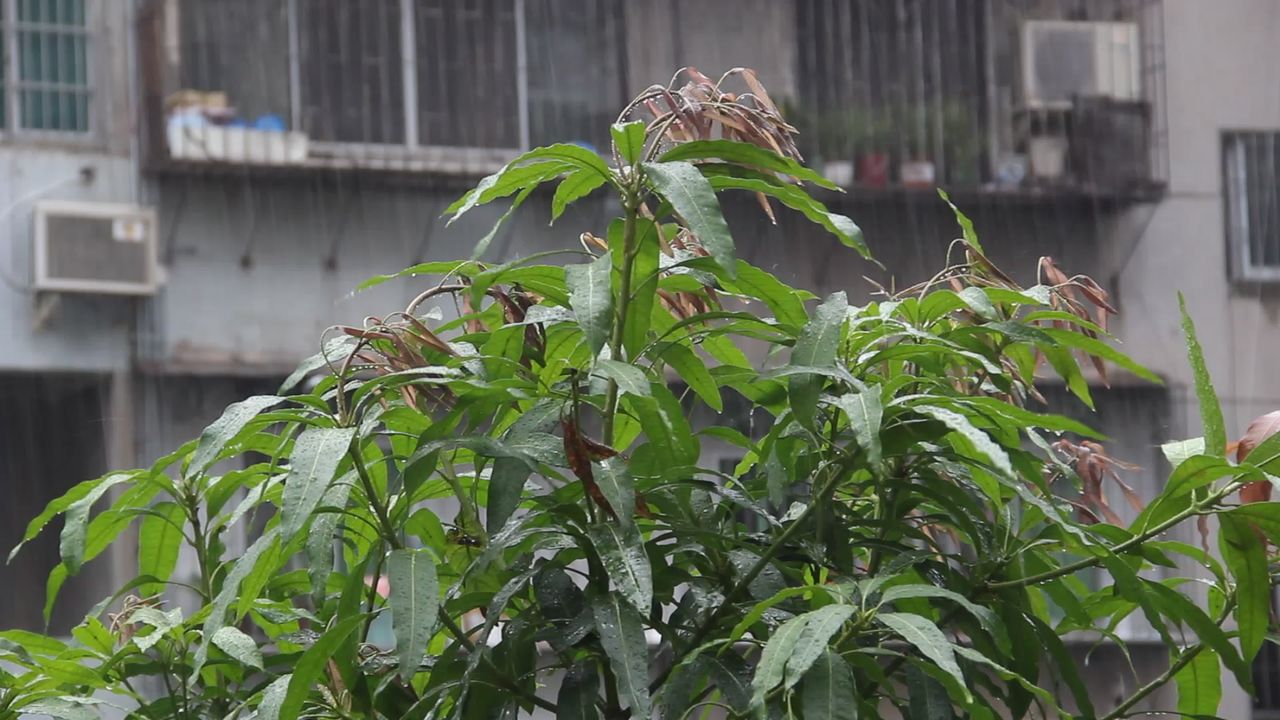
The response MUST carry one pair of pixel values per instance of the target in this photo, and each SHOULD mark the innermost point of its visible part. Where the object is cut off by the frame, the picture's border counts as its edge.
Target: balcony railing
(1019, 98)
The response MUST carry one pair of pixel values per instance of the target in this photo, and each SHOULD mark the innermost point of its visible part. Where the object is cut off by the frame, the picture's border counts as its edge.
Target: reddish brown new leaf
(578, 453)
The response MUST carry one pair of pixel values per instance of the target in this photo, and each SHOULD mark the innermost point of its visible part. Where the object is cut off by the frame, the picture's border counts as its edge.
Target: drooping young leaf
(234, 419)
(159, 541)
(1215, 433)
(315, 458)
(1245, 556)
(621, 632)
(621, 550)
(628, 139)
(591, 300)
(414, 600)
(693, 198)
(828, 691)
(816, 348)
(1200, 685)
(927, 638)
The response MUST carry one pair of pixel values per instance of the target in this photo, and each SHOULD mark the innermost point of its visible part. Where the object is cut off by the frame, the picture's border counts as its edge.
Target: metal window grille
(1252, 203)
(45, 85)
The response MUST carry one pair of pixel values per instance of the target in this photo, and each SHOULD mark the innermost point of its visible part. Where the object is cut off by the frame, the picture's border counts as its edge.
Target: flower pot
(918, 174)
(839, 172)
(873, 169)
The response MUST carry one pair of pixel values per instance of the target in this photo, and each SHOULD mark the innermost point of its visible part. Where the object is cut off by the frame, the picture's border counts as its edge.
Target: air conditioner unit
(1062, 59)
(97, 248)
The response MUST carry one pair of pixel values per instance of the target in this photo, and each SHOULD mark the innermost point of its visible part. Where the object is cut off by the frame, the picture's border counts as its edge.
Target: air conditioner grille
(81, 248)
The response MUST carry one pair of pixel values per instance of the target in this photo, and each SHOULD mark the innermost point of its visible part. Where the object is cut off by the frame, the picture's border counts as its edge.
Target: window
(491, 74)
(1252, 206)
(45, 84)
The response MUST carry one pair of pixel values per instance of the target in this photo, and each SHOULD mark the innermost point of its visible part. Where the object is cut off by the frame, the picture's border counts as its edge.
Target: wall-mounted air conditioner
(97, 248)
(1062, 59)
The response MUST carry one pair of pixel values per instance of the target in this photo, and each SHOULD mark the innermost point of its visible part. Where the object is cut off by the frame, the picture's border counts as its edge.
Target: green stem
(631, 214)
(388, 530)
(1183, 660)
(1135, 541)
(497, 677)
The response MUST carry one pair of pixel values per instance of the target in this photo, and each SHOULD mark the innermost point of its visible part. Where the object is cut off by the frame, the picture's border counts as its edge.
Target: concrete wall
(86, 333)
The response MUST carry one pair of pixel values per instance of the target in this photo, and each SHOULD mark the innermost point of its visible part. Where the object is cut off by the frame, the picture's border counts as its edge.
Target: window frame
(431, 155)
(12, 86)
(1235, 205)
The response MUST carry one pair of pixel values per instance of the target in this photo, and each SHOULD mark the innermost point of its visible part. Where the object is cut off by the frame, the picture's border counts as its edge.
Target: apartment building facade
(263, 157)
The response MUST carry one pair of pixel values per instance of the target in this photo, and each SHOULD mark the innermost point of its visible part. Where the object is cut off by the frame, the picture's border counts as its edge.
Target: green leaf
(628, 139)
(629, 378)
(414, 600)
(1246, 559)
(865, 414)
(323, 529)
(1215, 433)
(315, 458)
(1177, 607)
(506, 482)
(1264, 515)
(621, 632)
(591, 300)
(448, 267)
(693, 198)
(781, 299)
(578, 692)
(482, 245)
(665, 425)
(162, 622)
(622, 552)
(816, 347)
(978, 302)
(159, 540)
(310, 667)
(61, 504)
(1200, 685)
(237, 645)
(645, 266)
(694, 372)
(230, 591)
(989, 620)
(927, 697)
(821, 625)
(981, 442)
(1190, 475)
(741, 153)
(62, 708)
(1097, 348)
(273, 698)
(928, 639)
(615, 482)
(828, 690)
(966, 225)
(845, 230)
(773, 660)
(75, 524)
(233, 420)
(517, 175)
(579, 184)
(1180, 451)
